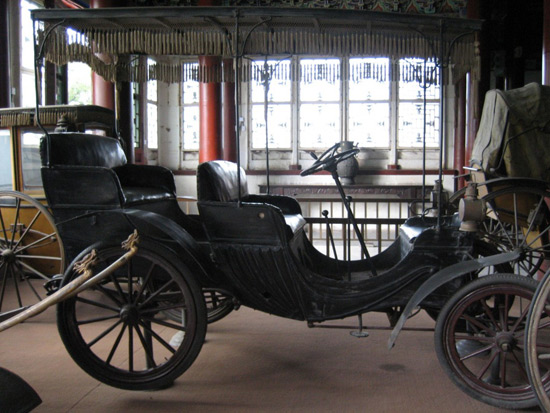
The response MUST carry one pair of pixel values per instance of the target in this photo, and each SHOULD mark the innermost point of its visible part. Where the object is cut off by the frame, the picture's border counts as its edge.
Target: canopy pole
(229, 124)
(236, 69)
(266, 77)
(442, 80)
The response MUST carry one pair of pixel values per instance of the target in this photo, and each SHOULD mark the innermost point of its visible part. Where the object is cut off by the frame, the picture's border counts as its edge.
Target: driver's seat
(218, 189)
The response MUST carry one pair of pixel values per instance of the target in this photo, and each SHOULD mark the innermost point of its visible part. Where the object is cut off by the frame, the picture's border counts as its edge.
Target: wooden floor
(253, 362)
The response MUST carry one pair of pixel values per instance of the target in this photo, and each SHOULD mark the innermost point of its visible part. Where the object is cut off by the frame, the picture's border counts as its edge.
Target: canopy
(111, 40)
(515, 122)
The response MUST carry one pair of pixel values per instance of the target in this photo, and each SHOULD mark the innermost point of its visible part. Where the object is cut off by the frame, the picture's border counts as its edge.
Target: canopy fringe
(100, 48)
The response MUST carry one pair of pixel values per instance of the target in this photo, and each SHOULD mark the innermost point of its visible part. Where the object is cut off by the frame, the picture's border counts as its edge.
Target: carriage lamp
(471, 210)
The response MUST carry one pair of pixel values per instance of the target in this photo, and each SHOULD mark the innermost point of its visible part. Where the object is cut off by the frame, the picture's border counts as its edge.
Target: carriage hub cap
(8, 255)
(506, 341)
(130, 314)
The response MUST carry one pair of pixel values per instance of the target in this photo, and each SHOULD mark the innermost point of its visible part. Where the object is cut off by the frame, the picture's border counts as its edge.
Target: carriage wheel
(479, 340)
(218, 305)
(31, 251)
(118, 332)
(538, 353)
(519, 218)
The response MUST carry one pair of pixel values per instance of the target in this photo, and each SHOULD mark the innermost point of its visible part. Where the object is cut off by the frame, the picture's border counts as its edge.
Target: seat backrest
(219, 181)
(74, 148)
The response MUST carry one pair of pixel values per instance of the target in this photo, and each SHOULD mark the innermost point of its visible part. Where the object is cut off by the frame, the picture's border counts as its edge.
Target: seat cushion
(74, 148)
(294, 222)
(219, 181)
(138, 195)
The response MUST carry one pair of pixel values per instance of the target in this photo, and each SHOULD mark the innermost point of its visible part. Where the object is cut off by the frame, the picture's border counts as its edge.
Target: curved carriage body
(260, 246)
(256, 248)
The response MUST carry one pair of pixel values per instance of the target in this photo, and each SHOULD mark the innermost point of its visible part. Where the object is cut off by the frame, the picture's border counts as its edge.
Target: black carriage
(152, 305)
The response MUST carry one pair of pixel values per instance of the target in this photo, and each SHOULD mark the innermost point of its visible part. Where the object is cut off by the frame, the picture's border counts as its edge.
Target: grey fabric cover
(513, 121)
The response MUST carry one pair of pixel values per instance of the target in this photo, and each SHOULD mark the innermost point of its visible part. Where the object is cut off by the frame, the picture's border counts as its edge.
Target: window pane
(369, 79)
(28, 91)
(30, 159)
(5, 160)
(279, 83)
(278, 91)
(27, 45)
(413, 76)
(152, 90)
(190, 92)
(152, 130)
(79, 82)
(369, 124)
(190, 99)
(278, 114)
(411, 121)
(319, 125)
(191, 128)
(369, 108)
(319, 108)
(320, 80)
(279, 132)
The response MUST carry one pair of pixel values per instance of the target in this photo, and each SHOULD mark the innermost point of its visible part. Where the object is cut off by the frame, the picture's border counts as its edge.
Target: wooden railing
(378, 218)
(378, 233)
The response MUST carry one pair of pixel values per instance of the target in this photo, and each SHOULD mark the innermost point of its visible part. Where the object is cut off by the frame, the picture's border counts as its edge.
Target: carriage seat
(218, 181)
(92, 170)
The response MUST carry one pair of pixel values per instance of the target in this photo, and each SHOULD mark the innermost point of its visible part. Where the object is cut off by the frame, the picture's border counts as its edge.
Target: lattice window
(277, 93)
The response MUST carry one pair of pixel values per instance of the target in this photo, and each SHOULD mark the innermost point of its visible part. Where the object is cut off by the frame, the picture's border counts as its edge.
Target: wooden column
(210, 108)
(103, 92)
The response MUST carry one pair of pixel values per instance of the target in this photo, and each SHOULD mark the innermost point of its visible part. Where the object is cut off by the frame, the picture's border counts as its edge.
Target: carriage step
(361, 332)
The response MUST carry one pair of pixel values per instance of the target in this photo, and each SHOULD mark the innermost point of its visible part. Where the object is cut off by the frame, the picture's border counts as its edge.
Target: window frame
(394, 155)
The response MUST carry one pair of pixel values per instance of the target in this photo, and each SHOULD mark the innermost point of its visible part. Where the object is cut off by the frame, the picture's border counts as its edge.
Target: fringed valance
(14, 119)
(106, 39)
(49, 115)
(18, 117)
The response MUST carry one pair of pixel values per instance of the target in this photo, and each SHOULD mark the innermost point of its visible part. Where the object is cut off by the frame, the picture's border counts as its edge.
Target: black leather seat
(219, 181)
(91, 171)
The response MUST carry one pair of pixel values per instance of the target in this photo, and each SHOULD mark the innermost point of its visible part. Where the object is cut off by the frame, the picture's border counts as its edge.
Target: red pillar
(546, 43)
(210, 144)
(103, 92)
(229, 129)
